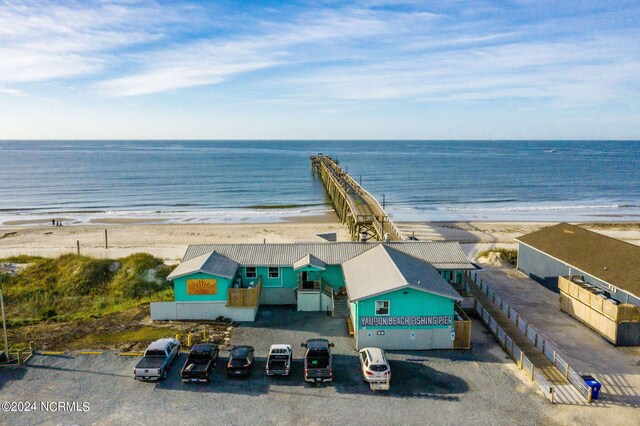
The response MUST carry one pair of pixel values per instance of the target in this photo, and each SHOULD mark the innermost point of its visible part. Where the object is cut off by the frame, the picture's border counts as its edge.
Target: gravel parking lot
(478, 386)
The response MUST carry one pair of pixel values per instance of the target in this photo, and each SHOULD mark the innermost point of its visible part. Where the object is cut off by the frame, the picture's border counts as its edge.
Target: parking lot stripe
(90, 353)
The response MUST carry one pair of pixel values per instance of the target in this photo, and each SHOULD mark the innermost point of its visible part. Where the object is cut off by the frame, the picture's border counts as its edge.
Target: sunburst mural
(201, 287)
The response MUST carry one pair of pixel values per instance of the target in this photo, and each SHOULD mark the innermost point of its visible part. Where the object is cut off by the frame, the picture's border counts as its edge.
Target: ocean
(266, 181)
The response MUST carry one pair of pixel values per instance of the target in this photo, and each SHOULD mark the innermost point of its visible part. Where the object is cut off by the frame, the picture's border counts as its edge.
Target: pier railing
(364, 215)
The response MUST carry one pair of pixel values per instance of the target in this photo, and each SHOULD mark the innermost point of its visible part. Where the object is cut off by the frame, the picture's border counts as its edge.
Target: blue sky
(370, 69)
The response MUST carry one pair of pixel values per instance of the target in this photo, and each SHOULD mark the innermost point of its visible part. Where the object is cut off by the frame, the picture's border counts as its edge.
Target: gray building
(568, 250)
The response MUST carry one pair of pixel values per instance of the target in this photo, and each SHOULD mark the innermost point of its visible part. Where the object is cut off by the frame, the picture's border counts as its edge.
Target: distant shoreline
(177, 218)
(278, 216)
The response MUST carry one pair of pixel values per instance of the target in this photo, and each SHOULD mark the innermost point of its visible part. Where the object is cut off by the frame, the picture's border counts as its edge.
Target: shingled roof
(608, 259)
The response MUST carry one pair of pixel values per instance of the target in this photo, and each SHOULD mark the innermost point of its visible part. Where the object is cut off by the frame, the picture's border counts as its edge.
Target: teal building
(397, 295)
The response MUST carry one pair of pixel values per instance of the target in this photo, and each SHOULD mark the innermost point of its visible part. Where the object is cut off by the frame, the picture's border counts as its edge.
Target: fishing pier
(355, 206)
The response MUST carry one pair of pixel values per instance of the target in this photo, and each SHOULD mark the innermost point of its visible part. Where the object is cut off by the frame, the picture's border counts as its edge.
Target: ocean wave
(283, 206)
(536, 208)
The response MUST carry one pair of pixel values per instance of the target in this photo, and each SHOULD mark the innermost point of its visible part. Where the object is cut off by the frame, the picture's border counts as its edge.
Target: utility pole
(4, 327)
(383, 204)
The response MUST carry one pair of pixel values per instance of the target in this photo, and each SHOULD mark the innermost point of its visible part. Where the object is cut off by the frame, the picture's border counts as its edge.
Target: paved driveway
(617, 368)
(479, 386)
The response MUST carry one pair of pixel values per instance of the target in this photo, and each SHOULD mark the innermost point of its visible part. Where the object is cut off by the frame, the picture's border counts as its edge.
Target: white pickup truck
(279, 360)
(157, 359)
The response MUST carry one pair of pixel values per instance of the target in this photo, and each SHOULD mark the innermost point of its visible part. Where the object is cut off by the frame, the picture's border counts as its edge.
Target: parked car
(375, 368)
(317, 361)
(200, 363)
(157, 360)
(240, 361)
(279, 360)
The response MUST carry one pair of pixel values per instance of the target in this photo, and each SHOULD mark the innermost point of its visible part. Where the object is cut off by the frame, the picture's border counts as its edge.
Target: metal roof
(608, 259)
(442, 255)
(212, 263)
(309, 260)
(393, 270)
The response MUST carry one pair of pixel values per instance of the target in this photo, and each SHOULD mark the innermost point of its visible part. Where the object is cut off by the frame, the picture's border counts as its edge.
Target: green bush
(46, 313)
(140, 275)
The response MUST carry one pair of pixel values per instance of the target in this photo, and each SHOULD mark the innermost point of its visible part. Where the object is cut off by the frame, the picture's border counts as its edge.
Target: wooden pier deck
(355, 206)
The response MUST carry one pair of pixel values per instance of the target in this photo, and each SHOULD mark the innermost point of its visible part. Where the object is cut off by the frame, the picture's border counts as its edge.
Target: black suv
(240, 361)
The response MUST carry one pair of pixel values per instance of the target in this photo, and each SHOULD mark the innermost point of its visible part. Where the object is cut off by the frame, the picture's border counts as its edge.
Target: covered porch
(313, 294)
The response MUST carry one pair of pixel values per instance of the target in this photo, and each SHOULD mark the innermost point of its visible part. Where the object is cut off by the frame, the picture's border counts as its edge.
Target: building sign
(201, 286)
(404, 321)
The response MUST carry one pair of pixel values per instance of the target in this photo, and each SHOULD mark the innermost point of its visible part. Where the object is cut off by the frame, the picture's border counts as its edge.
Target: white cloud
(212, 61)
(371, 50)
(48, 40)
(13, 92)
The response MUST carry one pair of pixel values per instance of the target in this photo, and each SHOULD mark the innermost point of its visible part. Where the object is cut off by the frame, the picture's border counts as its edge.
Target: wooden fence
(462, 329)
(244, 297)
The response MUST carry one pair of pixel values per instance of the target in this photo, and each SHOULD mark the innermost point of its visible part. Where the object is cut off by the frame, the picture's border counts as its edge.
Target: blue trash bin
(595, 386)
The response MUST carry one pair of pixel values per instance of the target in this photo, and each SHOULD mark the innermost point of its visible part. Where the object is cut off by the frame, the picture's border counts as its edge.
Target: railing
(542, 343)
(329, 171)
(390, 223)
(515, 352)
(328, 290)
(332, 169)
(244, 297)
(315, 285)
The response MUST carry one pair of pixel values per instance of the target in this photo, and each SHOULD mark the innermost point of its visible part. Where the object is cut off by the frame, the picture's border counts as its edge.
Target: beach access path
(588, 353)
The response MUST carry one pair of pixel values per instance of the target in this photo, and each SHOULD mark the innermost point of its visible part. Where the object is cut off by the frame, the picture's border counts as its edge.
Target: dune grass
(78, 287)
(23, 258)
(508, 255)
(142, 334)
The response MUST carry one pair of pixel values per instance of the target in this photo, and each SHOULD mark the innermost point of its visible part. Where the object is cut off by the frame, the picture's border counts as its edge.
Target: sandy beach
(169, 241)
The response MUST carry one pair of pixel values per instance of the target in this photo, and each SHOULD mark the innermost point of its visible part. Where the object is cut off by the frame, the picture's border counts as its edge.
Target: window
(250, 272)
(382, 307)
(274, 272)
